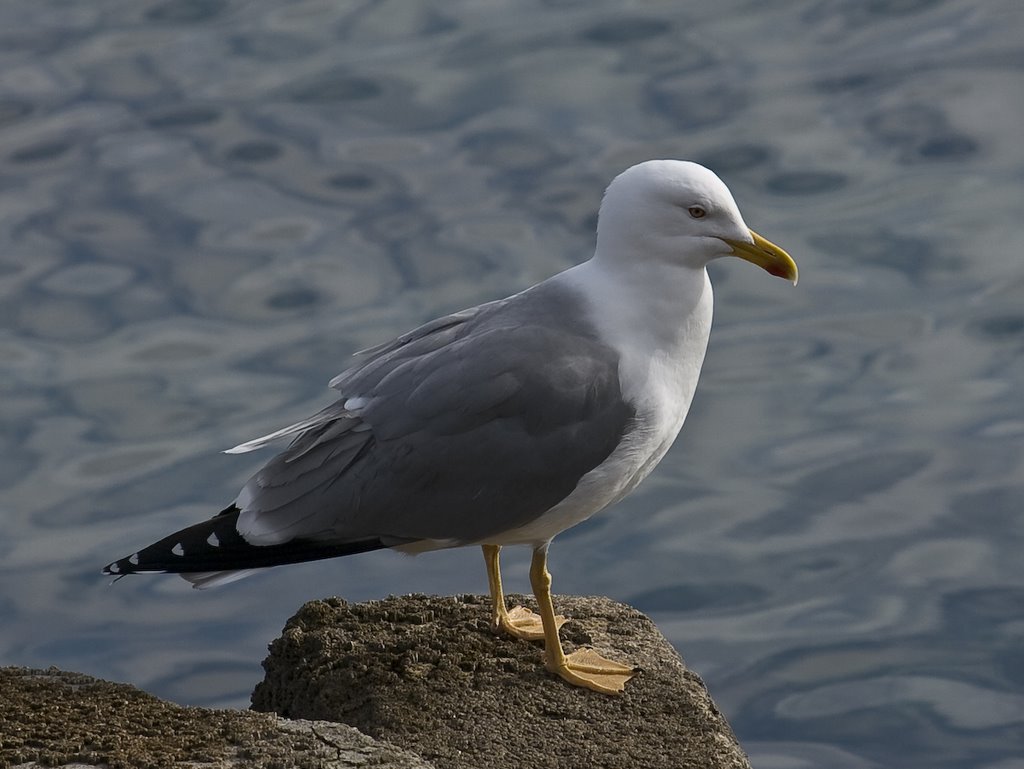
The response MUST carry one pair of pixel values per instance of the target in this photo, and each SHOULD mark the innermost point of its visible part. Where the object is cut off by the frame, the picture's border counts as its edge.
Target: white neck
(656, 314)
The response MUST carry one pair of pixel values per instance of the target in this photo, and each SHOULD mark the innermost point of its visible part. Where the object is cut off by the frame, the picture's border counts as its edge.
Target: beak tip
(786, 272)
(768, 256)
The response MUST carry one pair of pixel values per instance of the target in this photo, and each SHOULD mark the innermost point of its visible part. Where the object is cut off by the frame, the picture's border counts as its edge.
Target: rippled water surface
(207, 205)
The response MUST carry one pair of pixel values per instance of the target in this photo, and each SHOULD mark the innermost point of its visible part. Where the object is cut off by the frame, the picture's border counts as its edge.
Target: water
(206, 206)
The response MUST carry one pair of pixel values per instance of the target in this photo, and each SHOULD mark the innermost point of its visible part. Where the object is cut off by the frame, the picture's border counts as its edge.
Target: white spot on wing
(133, 559)
(114, 568)
(355, 403)
(212, 539)
(178, 549)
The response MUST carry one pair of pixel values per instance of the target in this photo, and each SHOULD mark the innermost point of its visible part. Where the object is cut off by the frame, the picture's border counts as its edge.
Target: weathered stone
(55, 718)
(427, 674)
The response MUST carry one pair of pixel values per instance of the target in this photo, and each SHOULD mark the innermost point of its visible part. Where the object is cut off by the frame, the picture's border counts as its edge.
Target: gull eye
(697, 212)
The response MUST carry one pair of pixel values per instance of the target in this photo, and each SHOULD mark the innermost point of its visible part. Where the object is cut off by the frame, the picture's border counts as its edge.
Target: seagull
(502, 424)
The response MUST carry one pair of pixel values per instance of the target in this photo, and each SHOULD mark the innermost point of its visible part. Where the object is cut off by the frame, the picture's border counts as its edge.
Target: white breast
(658, 371)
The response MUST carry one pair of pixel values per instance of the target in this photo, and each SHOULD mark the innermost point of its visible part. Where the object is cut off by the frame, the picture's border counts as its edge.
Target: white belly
(632, 460)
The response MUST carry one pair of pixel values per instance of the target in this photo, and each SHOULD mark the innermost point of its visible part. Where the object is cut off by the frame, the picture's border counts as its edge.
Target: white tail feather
(203, 579)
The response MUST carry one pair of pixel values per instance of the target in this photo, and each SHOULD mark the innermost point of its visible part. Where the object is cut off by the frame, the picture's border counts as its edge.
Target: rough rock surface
(427, 674)
(55, 718)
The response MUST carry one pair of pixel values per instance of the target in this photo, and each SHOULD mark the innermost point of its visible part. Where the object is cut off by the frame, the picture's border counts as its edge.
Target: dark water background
(206, 205)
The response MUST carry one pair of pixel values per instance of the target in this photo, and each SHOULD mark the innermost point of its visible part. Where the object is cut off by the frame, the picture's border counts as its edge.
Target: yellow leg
(584, 667)
(520, 622)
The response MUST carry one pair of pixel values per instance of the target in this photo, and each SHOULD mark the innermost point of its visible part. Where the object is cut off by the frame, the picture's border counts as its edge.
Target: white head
(681, 213)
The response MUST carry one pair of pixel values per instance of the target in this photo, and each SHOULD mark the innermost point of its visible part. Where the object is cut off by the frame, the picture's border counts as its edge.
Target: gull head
(679, 212)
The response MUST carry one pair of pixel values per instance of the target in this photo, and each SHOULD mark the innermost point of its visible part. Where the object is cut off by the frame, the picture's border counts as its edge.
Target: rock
(55, 718)
(427, 674)
(423, 673)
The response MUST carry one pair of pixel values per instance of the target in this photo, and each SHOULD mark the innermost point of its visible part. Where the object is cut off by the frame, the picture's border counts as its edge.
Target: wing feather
(473, 424)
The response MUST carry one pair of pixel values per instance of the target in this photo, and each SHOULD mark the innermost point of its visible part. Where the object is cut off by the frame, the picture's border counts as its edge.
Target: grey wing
(473, 427)
(426, 338)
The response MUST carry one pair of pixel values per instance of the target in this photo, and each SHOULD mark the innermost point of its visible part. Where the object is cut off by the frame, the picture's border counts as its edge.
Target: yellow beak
(766, 255)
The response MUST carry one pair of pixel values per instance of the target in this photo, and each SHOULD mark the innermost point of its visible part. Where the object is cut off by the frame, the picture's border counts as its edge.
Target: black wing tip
(200, 549)
(167, 556)
(116, 577)
(122, 567)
